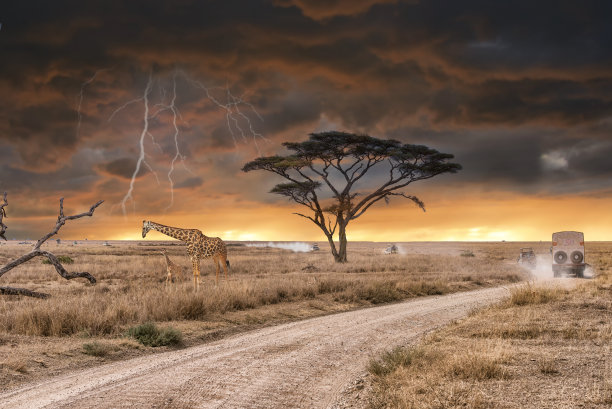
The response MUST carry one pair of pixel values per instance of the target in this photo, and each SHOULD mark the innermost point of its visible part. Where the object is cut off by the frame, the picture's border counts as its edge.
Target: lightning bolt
(233, 114)
(82, 95)
(238, 123)
(143, 134)
(177, 152)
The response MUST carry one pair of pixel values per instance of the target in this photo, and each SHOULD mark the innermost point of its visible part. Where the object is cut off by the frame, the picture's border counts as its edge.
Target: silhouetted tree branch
(36, 251)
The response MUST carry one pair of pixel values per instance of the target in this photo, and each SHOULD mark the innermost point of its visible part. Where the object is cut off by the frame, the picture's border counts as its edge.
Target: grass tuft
(478, 367)
(530, 295)
(96, 349)
(392, 360)
(150, 335)
(548, 367)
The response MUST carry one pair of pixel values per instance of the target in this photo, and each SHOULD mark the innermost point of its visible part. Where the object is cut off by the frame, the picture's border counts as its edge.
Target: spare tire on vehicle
(576, 257)
(560, 257)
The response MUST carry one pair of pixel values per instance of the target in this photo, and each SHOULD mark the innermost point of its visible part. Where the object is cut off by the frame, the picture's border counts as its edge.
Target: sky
(154, 107)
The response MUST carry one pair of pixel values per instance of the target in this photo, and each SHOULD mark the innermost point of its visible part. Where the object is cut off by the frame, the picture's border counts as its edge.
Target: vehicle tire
(560, 257)
(576, 257)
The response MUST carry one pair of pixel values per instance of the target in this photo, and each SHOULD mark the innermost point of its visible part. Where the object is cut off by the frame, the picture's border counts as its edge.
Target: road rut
(304, 364)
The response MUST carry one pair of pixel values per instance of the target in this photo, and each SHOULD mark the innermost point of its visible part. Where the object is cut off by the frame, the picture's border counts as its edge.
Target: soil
(314, 363)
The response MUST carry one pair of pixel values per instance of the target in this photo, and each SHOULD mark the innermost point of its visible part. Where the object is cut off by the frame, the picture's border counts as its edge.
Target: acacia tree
(338, 161)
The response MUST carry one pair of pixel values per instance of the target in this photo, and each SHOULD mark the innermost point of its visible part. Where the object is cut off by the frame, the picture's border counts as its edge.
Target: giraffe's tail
(227, 263)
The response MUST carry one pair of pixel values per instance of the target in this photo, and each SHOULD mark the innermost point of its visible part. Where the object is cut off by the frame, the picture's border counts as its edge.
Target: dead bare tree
(36, 251)
(3, 226)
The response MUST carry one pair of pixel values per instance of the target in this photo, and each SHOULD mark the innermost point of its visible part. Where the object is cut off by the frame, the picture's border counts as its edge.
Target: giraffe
(172, 269)
(199, 247)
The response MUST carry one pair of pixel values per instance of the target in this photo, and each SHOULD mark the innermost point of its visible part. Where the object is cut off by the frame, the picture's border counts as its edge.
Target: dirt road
(305, 364)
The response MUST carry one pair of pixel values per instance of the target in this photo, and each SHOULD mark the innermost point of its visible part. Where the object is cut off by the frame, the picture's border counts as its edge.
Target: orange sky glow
(511, 218)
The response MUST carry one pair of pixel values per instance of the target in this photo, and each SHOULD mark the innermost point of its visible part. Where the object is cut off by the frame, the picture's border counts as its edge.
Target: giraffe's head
(146, 226)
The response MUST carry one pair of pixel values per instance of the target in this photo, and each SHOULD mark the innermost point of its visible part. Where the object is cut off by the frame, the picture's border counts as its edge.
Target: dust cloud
(296, 247)
(543, 269)
(588, 272)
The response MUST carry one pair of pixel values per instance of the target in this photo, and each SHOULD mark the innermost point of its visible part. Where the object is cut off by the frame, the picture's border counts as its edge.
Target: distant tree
(337, 161)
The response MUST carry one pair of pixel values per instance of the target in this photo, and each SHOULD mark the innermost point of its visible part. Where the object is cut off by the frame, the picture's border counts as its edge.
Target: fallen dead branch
(36, 251)
(22, 291)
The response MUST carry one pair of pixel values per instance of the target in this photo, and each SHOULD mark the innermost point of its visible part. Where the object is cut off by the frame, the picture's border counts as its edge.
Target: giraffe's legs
(196, 273)
(223, 259)
(216, 261)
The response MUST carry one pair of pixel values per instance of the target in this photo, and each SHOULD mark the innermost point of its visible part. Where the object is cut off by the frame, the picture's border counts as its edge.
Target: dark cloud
(123, 168)
(327, 9)
(517, 90)
(44, 134)
(517, 102)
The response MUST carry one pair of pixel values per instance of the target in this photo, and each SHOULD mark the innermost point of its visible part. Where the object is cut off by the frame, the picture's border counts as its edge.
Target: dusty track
(305, 364)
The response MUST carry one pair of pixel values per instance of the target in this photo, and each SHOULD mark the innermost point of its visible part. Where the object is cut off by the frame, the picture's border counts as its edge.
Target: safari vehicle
(527, 257)
(391, 249)
(568, 253)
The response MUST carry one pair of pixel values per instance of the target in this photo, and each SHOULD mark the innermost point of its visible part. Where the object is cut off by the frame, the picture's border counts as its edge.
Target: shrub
(150, 335)
(467, 253)
(95, 349)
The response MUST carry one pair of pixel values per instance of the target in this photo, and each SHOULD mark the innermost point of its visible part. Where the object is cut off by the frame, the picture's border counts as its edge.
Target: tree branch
(22, 291)
(36, 251)
(415, 199)
(61, 220)
(307, 217)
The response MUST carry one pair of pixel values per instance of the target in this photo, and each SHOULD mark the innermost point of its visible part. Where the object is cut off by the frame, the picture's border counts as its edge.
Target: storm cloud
(520, 92)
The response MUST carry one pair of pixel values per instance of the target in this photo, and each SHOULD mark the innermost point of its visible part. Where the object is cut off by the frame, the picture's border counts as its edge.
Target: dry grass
(133, 293)
(266, 286)
(531, 294)
(543, 347)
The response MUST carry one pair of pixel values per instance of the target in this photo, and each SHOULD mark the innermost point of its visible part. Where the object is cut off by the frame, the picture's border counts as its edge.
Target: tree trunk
(340, 257)
(332, 246)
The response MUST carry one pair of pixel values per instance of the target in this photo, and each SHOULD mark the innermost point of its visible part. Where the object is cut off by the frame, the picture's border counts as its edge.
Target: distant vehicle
(527, 257)
(568, 253)
(392, 249)
(315, 247)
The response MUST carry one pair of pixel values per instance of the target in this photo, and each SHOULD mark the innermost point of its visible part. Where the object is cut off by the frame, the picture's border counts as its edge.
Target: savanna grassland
(545, 347)
(83, 324)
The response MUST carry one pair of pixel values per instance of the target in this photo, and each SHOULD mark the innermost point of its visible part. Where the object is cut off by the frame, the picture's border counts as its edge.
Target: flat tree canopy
(337, 161)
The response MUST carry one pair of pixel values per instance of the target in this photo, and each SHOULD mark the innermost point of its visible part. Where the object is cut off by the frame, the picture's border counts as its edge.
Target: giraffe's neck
(175, 232)
(168, 260)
